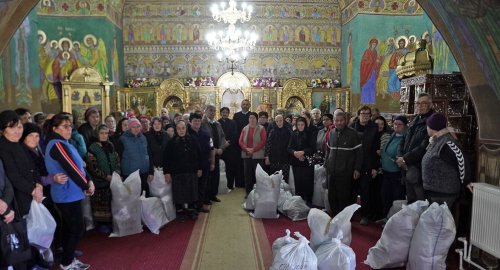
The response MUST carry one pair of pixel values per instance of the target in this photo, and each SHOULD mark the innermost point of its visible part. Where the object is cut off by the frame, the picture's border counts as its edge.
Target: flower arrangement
(265, 82)
(325, 83)
(142, 82)
(200, 81)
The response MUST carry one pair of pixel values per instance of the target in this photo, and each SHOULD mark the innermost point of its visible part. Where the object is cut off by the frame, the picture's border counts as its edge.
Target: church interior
(144, 55)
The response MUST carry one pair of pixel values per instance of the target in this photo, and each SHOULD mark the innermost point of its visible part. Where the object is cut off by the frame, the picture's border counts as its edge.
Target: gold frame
(86, 78)
(168, 88)
(294, 87)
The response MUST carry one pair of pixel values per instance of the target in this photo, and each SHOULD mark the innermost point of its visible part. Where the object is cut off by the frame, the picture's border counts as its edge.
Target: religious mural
(350, 8)
(287, 47)
(371, 55)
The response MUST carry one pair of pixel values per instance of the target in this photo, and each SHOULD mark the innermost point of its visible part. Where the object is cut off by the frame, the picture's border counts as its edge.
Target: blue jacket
(135, 154)
(69, 191)
(389, 153)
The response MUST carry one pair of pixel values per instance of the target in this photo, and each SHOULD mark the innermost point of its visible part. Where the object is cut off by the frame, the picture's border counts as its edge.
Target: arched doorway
(233, 88)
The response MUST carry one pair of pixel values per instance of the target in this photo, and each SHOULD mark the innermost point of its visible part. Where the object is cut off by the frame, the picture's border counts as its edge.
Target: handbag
(14, 244)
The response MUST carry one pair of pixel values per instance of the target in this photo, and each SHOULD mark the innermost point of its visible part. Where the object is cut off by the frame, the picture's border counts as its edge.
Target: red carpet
(140, 251)
(363, 238)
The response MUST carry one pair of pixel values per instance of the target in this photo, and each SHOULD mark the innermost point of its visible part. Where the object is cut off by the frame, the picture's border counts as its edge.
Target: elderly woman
(110, 122)
(157, 142)
(444, 166)
(300, 146)
(392, 189)
(276, 155)
(252, 141)
(19, 168)
(182, 168)
(92, 120)
(68, 192)
(103, 161)
(121, 127)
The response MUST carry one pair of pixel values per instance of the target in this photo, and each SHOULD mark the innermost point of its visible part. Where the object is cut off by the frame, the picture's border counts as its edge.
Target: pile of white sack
(159, 209)
(418, 236)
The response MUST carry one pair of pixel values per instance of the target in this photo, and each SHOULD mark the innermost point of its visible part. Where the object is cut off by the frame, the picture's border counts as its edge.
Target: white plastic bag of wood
(319, 181)
(223, 189)
(281, 242)
(284, 195)
(323, 227)
(333, 254)
(396, 207)
(296, 255)
(296, 208)
(126, 205)
(432, 239)
(158, 187)
(249, 203)
(267, 191)
(393, 246)
(153, 214)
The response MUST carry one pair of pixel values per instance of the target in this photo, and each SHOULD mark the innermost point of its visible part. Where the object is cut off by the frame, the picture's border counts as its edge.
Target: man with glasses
(413, 147)
(365, 186)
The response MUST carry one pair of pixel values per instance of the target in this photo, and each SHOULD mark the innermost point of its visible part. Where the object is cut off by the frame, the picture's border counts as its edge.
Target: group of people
(365, 160)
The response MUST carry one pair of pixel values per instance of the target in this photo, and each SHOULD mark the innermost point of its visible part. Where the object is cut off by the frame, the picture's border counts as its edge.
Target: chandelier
(231, 15)
(232, 43)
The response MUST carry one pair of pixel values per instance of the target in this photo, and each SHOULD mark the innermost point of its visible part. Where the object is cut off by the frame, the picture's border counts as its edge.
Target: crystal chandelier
(231, 15)
(232, 43)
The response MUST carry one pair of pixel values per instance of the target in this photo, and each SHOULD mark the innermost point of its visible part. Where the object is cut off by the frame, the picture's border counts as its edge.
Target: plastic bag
(333, 254)
(158, 187)
(296, 208)
(432, 239)
(393, 246)
(281, 242)
(396, 207)
(223, 189)
(126, 205)
(296, 255)
(267, 191)
(291, 181)
(327, 202)
(323, 227)
(153, 214)
(319, 181)
(284, 185)
(88, 217)
(284, 195)
(169, 207)
(41, 225)
(249, 203)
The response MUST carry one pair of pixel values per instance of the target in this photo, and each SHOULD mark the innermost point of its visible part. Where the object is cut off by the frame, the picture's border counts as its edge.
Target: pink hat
(133, 121)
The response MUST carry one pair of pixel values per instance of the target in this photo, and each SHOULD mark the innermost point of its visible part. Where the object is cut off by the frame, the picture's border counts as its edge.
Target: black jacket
(157, 143)
(300, 141)
(21, 171)
(345, 153)
(184, 155)
(88, 133)
(413, 147)
(370, 143)
(277, 145)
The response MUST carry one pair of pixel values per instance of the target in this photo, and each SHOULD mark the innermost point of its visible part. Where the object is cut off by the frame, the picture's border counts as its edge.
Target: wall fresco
(371, 55)
(351, 8)
(168, 40)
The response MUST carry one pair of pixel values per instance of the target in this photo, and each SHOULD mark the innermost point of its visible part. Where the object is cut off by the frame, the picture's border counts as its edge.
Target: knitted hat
(436, 121)
(90, 111)
(8, 117)
(133, 121)
(401, 118)
(30, 128)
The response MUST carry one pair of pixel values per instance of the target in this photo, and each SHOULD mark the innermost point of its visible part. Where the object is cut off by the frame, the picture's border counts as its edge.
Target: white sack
(158, 187)
(327, 202)
(153, 214)
(296, 255)
(333, 254)
(396, 207)
(296, 208)
(223, 178)
(267, 191)
(432, 239)
(41, 225)
(323, 227)
(284, 185)
(126, 205)
(291, 181)
(319, 182)
(394, 244)
(281, 242)
(169, 207)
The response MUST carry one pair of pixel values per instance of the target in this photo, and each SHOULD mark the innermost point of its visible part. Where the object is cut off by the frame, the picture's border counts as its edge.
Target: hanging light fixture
(231, 14)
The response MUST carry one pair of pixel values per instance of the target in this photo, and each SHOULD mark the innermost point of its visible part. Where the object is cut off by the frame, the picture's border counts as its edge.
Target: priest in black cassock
(241, 119)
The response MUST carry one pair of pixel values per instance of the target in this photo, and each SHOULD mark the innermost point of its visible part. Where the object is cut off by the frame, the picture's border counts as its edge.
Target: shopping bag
(41, 225)
(14, 244)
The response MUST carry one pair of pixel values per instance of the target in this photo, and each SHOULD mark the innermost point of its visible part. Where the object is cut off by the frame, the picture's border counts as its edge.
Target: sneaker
(80, 264)
(363, 221)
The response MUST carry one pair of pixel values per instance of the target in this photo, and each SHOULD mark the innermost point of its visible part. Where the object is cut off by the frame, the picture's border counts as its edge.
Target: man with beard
(241, 119)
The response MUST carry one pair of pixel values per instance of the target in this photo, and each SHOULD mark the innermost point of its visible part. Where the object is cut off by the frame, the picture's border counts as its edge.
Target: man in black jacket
(368, 132)
(231, 154)
(412, 149)
(241, 119)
